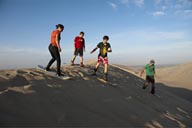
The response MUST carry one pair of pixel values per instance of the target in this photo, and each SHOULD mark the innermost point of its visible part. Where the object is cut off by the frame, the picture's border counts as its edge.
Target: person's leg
(105, 71)
(153, 85)
(146, 83)
(105, 62)
(53, 58)
(81, 61)
(81, 57)
(97, 65)
(74, 56)
(58, 58)
(73, 59)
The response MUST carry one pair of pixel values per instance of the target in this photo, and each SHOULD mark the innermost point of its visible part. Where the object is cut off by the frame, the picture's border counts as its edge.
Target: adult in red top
(55, 48)
(79, 47)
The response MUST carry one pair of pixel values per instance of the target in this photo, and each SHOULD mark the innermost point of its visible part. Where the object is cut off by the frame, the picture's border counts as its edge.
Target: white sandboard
(52, 73)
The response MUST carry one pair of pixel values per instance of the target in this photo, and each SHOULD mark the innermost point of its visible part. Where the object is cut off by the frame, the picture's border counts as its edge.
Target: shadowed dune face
(33, 98)
(174, 76)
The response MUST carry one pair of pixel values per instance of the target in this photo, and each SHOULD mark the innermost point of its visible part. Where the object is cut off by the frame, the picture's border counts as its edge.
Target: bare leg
(96, 68)
(97, 65)
(106, 68)
(105, 71)
(73, 59)
(81, 61)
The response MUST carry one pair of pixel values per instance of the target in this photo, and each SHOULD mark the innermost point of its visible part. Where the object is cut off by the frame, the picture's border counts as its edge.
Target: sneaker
(153, 91)
(105, 77)
(144, 87)
(60, 75)
(94, 72)
(82, 65)
(47, 69)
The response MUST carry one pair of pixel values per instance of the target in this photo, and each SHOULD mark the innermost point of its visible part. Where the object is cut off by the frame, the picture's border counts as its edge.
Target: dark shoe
(105, 77)
(94, 72)
(60, 75)
(47, 69)
(82, 65)
(144, 87)
(153, 91)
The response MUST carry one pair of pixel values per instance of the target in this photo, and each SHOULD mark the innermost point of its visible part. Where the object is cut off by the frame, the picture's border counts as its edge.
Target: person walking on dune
(104, 47)
(79, 47)
(150, 76)
(55, 48)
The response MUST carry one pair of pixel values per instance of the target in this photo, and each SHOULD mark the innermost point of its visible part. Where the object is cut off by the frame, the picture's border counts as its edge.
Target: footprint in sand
(24, 89)
(128, 98)
(28, 77)
(21, 72)
(172, 117)
(154, 124)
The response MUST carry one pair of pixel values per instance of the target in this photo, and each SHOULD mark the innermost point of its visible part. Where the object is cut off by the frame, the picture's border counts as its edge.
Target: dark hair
(152, 61)
(105, 38)
(60, 26)
(82, 33)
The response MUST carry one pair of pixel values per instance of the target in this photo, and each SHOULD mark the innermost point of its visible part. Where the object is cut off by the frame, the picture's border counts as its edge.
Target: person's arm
(142, 71)
(75, 42)
(58, 42)
(109, 49)
(84, 45)
(94, 50)
(154, 72)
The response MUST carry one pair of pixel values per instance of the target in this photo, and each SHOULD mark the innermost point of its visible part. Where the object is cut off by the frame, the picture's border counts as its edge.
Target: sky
(139, 30)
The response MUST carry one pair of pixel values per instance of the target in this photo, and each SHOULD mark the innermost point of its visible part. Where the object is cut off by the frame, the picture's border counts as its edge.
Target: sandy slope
(174, 76)
(30, 97)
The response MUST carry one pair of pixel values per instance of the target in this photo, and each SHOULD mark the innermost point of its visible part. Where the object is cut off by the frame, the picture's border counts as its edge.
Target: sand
(32, 98)
(174, 76)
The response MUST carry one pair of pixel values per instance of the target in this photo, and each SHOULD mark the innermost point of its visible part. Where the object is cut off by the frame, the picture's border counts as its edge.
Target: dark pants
(151, 80)
(55, 56)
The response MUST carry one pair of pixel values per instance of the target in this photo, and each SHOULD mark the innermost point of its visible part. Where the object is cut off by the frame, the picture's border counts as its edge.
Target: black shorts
(78, 51)
(150, 79)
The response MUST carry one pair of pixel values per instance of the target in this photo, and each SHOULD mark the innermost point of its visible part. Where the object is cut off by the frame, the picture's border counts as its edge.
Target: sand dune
(31, 98)
(176, 76)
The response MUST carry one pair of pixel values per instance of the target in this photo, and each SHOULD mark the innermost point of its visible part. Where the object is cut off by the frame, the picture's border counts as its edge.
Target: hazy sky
(138, 29)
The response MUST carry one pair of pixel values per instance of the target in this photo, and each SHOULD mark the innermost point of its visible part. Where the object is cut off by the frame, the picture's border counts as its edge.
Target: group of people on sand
(79, 48)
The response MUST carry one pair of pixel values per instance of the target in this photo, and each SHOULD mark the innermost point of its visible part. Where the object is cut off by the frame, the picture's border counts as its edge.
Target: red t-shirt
(79, 42)
(53, 37)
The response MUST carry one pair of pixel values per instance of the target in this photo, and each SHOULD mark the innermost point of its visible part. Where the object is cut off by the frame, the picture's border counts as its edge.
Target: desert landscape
(174, 76)
(30, 98)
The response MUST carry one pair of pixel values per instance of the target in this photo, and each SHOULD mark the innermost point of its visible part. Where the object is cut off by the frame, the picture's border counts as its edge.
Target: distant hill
(177, 76)
(33, 98)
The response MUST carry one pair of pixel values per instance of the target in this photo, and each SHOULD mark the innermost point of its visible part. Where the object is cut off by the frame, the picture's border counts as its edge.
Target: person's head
(60, 27)
(152, 62)
(105, 39)
(81, 34)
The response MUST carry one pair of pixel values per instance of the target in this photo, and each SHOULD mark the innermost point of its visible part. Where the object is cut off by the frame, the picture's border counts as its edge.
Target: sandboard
(52, 73)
